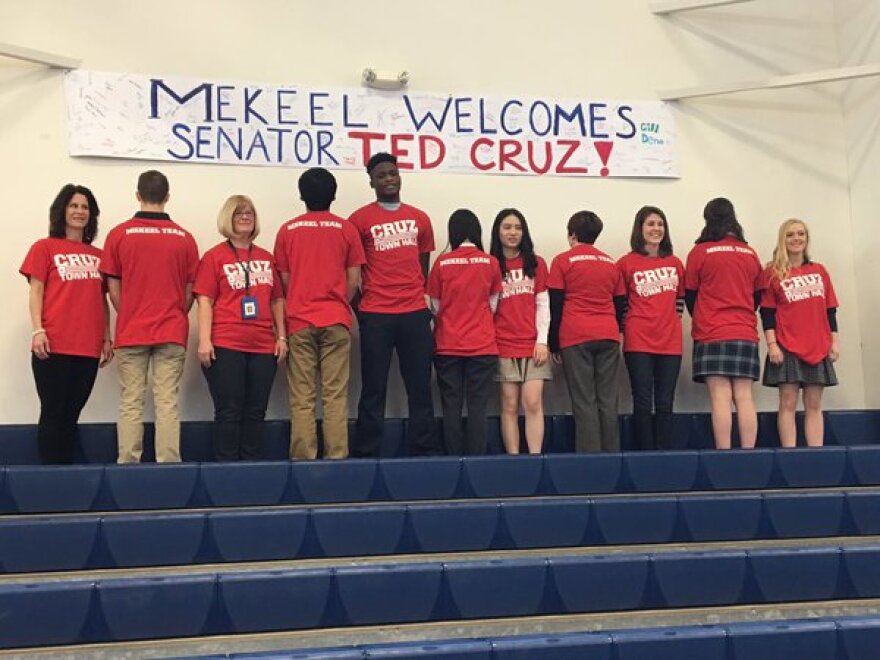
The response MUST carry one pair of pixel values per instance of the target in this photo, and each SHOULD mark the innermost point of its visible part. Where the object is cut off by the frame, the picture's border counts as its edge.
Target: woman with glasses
(242, 336)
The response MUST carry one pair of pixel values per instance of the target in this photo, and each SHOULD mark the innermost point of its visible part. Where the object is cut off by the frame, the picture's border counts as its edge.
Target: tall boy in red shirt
(150, 264)
(392, 314)
(319, 256)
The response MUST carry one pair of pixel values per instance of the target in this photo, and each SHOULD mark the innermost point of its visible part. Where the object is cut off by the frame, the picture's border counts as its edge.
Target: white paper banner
(187, 119)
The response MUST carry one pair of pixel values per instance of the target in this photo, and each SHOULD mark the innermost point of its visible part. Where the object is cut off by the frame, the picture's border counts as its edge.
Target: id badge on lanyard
(250, 307)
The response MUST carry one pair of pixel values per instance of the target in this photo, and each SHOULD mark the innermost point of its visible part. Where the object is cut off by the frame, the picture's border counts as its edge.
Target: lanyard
(246, 267)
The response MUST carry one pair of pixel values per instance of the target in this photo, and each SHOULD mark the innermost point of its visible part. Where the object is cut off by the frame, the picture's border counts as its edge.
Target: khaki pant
(319, 353)
(167, 369)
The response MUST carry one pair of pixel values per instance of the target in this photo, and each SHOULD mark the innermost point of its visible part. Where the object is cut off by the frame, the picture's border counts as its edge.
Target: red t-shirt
(393, 282)
(221, 277)
(801, 302)
(725, 274)
(515, 320)
(315, 250)
(590, 280)
(462, 280)
(154, 259)
(652, 286)
(73, 295)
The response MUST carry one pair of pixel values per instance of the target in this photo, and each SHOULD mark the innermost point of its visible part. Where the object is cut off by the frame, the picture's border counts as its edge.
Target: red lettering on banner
(423, 151)
(399, 152)
(508, 150)
(548, 158)
(561, 167)
(366, 138)
(476, 145)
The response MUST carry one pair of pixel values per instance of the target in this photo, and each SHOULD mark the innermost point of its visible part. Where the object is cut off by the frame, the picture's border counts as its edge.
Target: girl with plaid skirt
(799, 315)
(722, 291)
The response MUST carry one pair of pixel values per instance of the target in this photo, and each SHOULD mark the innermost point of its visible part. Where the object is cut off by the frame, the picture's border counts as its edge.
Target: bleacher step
(448, 630)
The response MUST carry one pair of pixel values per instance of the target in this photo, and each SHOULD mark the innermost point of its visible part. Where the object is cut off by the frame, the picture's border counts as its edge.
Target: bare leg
(720, 396)
(814, 425)
(785, 421)
(533, 405)
(510, 417)
(746, 415)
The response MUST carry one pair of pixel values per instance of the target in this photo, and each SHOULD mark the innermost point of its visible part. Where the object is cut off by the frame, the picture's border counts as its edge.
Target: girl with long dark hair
(464, 285)
(521, 324)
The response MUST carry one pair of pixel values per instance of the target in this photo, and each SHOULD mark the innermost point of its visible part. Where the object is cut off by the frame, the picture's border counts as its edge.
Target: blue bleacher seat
(151, 486)
(502, 476)
(393, 438)
(582, 474)
(596, 583)
(153, 540)
(636, 520)
(276, 600)
(490, 588)
(865, 464)
(703, 642)
(569, 646)
(727, 470)
(862, 564)
(18, 444)
(785, 575)
(374, 530)
(653, 471)
(786, 513)
(453, 650)
(545, 524)
(812, 467)
(43, 614)
(63, 544)
(392, 593)
(692, 579)
(816, 640)
(562, 438)
(156, 607)
(276, 440)
(245, 483)
(864, 508)
(334, 481)
(859, 637)
(258, 535)
(342, 653)
(197, 444)
(96, 444)
(853, 427)
(55, 488)
(457, 527)
(418, 478)
(721, 517)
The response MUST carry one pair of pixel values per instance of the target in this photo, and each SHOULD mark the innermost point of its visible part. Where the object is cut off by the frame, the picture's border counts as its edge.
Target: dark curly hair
(58, 212)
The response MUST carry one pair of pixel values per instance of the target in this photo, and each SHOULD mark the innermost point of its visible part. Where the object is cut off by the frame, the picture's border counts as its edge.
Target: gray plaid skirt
(794, 371)
(734, 359)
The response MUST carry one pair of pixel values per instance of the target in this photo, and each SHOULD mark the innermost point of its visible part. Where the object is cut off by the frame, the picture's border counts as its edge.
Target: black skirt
(733, 359)
(794, 371)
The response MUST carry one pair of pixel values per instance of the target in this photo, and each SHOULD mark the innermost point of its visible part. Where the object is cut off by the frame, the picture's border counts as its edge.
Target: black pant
(653, 378)
(64, 383)
(240, 384)
(465, 380)
(410, 334)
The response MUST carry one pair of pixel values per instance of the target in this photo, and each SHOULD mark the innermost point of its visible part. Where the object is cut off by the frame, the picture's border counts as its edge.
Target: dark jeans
(653, 378)
(240, 384)
(463, 380)
(64, 383)
(591, 373)
(410, 334)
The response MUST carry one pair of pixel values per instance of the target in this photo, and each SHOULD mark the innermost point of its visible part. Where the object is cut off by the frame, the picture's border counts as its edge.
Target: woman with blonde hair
(799, 314)
(241, 330)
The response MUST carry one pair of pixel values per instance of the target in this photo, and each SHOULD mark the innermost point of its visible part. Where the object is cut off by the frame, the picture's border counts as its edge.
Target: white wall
(775, 154)
(858, 24)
